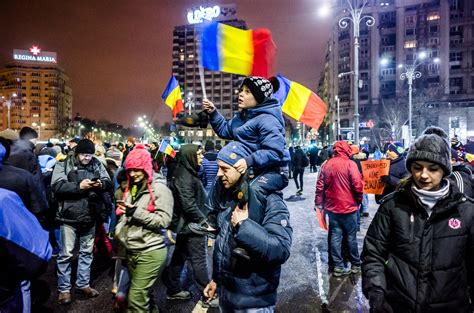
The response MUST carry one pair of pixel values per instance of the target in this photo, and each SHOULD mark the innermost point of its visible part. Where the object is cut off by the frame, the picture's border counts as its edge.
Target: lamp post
(38, 125)
(8, 104)
(410, 74)
(190, 101)
(356, 17)
(338, 124)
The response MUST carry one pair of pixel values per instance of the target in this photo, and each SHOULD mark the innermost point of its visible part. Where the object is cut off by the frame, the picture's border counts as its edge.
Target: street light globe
(437, 60)
(139, 119)
(400, 65)
(422, 55)
(324, 10)
(384, 62)
(14, 94)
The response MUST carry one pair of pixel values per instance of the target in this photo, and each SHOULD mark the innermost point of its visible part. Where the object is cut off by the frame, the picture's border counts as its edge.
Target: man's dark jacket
(76, 206)
(421, 263)
(266, 235)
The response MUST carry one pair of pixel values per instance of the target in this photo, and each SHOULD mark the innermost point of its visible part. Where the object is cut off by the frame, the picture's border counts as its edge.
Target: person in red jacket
(339, 193)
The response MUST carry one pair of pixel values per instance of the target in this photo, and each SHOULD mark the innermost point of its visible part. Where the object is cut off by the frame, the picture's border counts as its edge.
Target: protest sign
(371, 172)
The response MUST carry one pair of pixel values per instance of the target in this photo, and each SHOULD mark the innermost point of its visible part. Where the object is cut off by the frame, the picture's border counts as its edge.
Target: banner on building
(371, 172)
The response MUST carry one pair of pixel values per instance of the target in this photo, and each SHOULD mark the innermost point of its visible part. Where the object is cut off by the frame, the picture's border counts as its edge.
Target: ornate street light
(410, 74)
(356, 17)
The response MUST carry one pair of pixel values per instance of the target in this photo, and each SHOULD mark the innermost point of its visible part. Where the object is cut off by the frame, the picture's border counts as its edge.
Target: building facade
(34, 93)
(221, 88)
(440, 30)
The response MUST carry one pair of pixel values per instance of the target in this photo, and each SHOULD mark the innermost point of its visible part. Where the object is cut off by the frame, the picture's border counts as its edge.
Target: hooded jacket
(397, 172)
(422, 263)
(188, 191)
(267, 239)
(339, 186)
(261, 128)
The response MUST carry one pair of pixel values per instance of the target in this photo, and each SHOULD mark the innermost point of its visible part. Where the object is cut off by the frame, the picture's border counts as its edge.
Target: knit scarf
(429, 198)
(136, 189)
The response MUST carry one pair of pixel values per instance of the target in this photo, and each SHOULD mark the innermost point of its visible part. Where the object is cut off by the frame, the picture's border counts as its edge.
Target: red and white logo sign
(35, 50)
(454, 223)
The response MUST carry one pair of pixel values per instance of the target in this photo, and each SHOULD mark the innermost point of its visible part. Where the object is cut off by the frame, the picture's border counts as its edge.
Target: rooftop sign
(215, 13)
(35, 54)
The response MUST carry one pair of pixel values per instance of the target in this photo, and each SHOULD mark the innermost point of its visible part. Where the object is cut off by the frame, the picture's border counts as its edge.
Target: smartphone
(95, 179)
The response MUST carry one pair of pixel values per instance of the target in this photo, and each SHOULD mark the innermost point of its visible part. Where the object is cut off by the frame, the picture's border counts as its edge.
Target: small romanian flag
(300, 103)
(166, 148)
(229, 49)
(172, 96)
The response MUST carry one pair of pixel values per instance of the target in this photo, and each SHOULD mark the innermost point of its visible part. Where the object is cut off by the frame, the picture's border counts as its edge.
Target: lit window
(410, 44)
(432, 16)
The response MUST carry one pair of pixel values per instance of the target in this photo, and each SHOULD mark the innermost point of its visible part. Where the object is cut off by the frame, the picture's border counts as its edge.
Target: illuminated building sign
(35, 54)
(215, 13)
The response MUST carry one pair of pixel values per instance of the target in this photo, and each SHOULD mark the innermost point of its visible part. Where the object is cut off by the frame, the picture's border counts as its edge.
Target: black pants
(298, 172)
(192, 248)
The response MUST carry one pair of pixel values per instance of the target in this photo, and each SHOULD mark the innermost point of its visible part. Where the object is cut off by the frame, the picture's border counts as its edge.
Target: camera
(193, 120)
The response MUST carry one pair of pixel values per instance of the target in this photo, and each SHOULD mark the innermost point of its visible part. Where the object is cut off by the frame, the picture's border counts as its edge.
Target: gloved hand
(386, 179)
(377, 302)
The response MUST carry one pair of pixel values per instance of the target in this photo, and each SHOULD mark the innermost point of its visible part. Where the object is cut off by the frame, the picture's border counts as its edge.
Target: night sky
(117, 53)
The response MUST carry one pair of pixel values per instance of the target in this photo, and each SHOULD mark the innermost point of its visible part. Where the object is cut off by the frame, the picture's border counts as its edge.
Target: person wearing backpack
(300, 162)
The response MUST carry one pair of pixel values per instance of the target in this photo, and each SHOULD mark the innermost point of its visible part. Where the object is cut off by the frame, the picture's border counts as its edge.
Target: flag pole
(201, 69)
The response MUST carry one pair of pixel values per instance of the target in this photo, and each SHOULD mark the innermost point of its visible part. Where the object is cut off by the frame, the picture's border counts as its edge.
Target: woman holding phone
(145, 211)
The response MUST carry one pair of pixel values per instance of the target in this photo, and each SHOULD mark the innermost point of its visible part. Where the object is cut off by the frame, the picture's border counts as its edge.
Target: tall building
(444, 94)
(221, 88)
(34, 93)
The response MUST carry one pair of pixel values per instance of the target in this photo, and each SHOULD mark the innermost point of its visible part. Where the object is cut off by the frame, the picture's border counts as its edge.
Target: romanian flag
(166, 148)
(300, 103)
(246, 52)
(172, 96)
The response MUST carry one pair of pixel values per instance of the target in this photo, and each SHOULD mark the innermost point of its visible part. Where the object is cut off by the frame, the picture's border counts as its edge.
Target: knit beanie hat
(233, 152)
(261, 88)
(85, 146)
(9, 134)
(396, 147)
(115, 155)
(27, 133)
(140, 158)
(431, 146)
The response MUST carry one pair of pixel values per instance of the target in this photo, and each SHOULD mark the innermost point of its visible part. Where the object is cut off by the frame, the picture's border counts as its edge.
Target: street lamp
(38, 125)
(8, 104)
(410, 74)
(190, 101)
(356, 18)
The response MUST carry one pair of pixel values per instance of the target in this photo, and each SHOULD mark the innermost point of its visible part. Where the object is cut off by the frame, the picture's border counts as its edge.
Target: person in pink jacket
(339, 193)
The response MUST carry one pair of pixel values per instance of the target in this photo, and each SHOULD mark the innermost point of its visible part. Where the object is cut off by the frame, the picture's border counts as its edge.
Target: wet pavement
(305, 285)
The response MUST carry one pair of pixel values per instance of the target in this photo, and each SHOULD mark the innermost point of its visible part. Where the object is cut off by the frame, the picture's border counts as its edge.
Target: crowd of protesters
(136, 203)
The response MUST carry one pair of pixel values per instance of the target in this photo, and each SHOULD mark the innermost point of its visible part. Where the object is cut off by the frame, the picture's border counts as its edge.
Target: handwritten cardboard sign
(371, 172)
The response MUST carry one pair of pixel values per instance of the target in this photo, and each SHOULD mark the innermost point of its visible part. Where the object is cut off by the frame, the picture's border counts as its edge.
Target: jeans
(192, 248)
(144, 268)
(20, 301)
(69, 234)
(343, 227)
(298, 172)
(263, 185)
(225, 307)
(364, 207)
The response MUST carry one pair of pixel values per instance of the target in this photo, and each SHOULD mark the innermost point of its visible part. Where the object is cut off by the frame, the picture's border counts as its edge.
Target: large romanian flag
(166, 148)
(172, 96)
(300, 103)
(246, 52)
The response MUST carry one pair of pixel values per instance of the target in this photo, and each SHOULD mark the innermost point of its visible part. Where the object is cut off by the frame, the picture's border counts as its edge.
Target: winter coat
(339, 186)
(359, 157)
(300, 160)
(76, 206)
(422, 263)
(462, 177)
(261, 128)
(267, 239)
(22, 183)
(397, 172)
(24, 245)
(22, 156)
(188, 192)
(210, 168)
(142, 230)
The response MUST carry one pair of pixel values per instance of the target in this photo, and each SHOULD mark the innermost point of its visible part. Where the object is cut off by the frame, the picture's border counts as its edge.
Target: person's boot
(64, 298)
(87, 292)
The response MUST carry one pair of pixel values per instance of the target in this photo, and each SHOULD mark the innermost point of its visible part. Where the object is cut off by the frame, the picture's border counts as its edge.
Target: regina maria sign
(35, 54)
